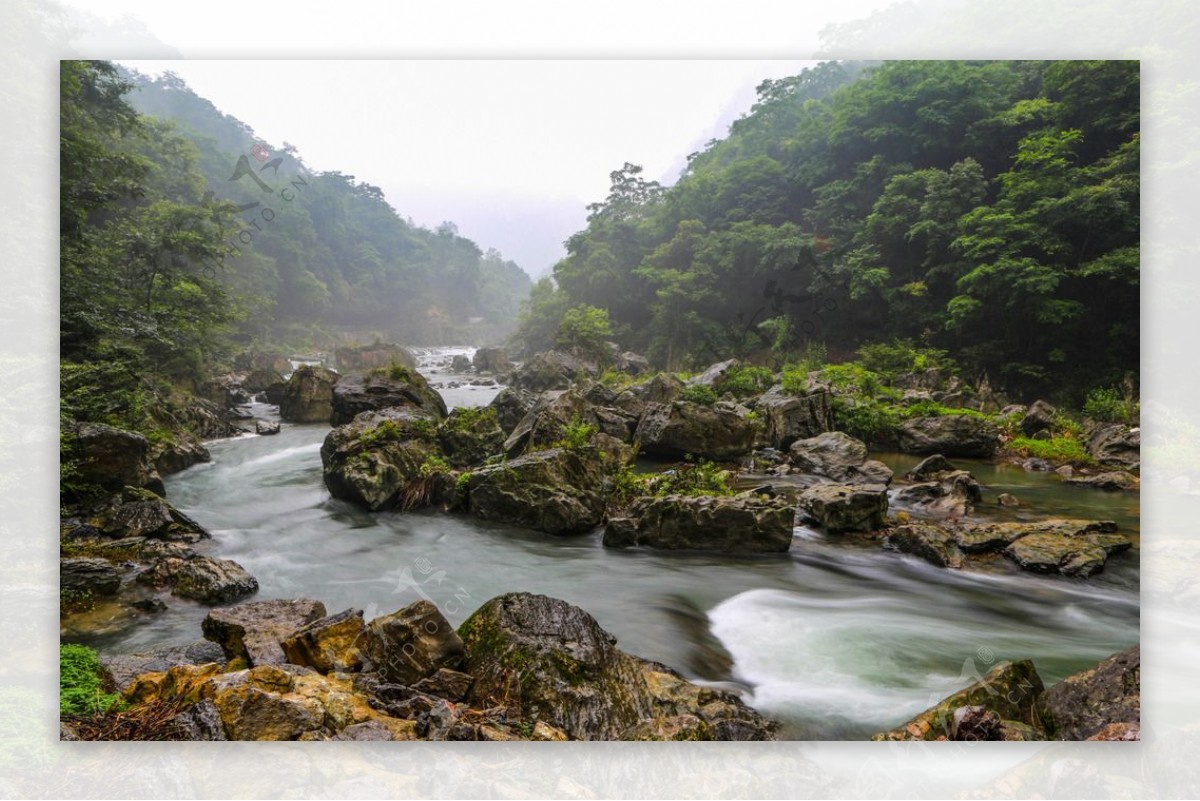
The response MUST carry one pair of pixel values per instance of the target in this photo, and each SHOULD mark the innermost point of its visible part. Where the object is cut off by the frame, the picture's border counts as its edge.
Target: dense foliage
(81, 683)
(985, 209)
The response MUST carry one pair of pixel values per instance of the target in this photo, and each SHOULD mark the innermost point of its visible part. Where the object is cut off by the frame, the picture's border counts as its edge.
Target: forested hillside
(989, 209)
(324, 249)
(184, 242)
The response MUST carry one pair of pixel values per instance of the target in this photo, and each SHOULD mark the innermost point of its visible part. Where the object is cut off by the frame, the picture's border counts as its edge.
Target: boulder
(714, 374)
(931, 468)
(138, 516)
(739, 524)
(1116, 444)
(1008, 499)
(954, 493)
(546, 660)
(113, 458)
(255, 631)
(124, 668)
(379, 355)
(553, 369)
(1080, 706)
(266, 428)
(309, 395)
(460, 364)
(446, 683)
(176, 455)
(546, 424)
(950, 435)
(934, 544)
(840, 507)
(374, 459)
(259, 379)
(492, 360)
(201, 578)
(1067, 547)
(276, 393)
(1038, 417)
(511, 406)
(676, 430)
(411, 644)
(328, 644)
(788, 418)
(470, 435)
(379, 390)
(558, 491)
(1010, 691)
(630, 363)
(88, 575)
(838, 456)
(1114, 481)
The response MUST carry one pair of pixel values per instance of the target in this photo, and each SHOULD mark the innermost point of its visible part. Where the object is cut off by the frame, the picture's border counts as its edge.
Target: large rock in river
(309, 395)
(1116, 444)
(547, 660)
(676, 430)
(838, 456)
(254, 631)
(412, 644)
(1080, 706)
(114, 458)
(738, 524)
(950, 435)
(383, 389)
(554, 369)
(379, 455)
(846, 507)
(511, 406)
(379, 355)
(547, 422)
(491, 360)
(558, 491)
(1072, 548)
(790, 417)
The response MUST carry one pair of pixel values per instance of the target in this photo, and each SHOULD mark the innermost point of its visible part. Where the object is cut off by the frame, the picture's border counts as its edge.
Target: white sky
(509, 150)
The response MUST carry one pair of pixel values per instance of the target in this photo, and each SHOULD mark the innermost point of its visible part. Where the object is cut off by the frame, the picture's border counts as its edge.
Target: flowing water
(837, 641)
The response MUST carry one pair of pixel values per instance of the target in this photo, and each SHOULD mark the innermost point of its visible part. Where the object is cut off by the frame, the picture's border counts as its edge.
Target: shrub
(81, 682)
(795, 379)
(744, 382)
(901, 356)
(928, 408)
(854, 379)
(699, 393)
(868, 420)
(692, 478)
(1107, 405)
(577, 434)
(472, 418)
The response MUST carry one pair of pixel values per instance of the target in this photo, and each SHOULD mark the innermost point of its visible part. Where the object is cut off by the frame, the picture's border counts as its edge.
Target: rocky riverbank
(522, 667)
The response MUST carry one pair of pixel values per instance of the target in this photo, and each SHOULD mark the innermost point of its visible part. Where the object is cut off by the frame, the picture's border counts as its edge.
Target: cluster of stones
(521, 667)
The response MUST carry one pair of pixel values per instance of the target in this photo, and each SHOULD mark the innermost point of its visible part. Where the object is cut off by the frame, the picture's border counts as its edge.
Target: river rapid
(837, 641)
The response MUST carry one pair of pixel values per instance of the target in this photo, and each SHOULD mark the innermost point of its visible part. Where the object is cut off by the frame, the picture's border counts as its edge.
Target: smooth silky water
(837, 641)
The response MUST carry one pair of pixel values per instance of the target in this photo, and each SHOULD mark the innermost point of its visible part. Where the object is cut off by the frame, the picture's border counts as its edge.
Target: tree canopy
(987, 208)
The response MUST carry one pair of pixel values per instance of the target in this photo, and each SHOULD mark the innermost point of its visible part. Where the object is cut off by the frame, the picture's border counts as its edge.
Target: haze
(510, 151)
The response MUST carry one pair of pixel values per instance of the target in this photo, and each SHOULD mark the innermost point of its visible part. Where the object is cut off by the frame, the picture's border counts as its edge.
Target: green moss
(928, 408)
(81, 682)
(471, 419)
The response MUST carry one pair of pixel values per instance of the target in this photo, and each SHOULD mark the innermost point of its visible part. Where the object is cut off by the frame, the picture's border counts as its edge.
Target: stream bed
(836, 641)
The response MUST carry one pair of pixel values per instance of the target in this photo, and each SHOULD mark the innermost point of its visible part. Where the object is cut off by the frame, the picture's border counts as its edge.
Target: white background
(33, 36)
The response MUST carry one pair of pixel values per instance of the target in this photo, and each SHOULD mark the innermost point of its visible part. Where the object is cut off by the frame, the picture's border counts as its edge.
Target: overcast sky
(510, 151)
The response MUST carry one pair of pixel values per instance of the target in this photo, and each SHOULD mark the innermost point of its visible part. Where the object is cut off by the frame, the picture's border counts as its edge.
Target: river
(836, 641)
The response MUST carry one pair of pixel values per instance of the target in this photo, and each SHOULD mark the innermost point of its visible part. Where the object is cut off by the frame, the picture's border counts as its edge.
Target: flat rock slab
(846, 507)
(125, 667)
(255, 631)
(737, 524)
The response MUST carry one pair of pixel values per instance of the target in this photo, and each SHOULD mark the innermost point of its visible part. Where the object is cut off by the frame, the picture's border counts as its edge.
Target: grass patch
(746, 381)
(81, 685)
